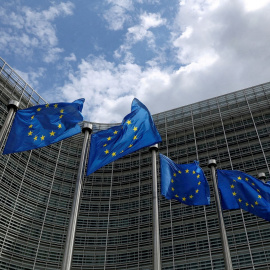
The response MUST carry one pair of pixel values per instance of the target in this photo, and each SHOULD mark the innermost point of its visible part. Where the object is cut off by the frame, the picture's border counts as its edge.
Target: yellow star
(198, 176)
(239, 178)
(59, 126)
(130, 145)
(122, 151)
(193, 172)
(55, 106)
(32, 117)
(104, 144)
(199, 183)
(197, 191)
(172, 189)
(187, 170)
(246, 179)
(239, 200)
(135, 129)
(61, 116)
(114, 154)
(52, 133)
(184, 198)
(109, 138)
(106, 151)
(30, 133)
(174, 174)
(252, 205)
(232, 186)
(256, 203)
(172, 181)
(35, 138)
(253, 184)
(234, 193)
(191, 196)
(47, 105)
(179, 172)
(234, 180)
(135, 137)
(39, 109)
(30, 126)
(128, 122)
(258, 190)
(42, 137)
(247, 204)
(259, 196)
(62, 111)
(115, 132)
(176, 196)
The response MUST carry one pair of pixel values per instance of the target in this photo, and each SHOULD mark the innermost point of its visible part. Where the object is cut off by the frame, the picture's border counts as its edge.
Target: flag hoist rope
(67, 260)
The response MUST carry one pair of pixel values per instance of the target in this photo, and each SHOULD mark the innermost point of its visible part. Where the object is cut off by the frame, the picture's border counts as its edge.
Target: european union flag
(42, 125)
(136, 131)
(240, 190)
(185, 183)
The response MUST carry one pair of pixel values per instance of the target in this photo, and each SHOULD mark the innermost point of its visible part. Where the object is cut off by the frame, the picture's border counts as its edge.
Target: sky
(166, 53)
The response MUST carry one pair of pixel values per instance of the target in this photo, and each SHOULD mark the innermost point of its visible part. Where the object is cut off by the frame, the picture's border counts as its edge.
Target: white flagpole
(67, 259)
(156, 237)
(12, 108)
(226, 251)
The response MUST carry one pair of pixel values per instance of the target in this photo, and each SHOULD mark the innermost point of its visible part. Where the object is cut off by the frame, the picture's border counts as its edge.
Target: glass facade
(114, 229)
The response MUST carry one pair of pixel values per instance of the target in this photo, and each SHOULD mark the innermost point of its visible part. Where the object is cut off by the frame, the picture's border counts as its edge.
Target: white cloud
(141, 32)
(219, 46)
(110, 89)
(37, 28)
(117, 14)
(32, 77)
(52, 55)
(151, 20)
(103, 85)
(70, 58)
(251, 5)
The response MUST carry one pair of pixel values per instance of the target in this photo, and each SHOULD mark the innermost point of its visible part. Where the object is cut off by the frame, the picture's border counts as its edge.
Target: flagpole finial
(212, 162)
(13, 104)
(262, 176)
(153, 147)
(87, 126)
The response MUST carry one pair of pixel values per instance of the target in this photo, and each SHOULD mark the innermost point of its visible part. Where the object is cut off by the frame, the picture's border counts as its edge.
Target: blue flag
(42, 125)
(240, 190)
(136, 131)
(185, 183)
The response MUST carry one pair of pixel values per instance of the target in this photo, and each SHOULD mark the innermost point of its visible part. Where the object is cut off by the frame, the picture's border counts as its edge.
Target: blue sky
(165, 53)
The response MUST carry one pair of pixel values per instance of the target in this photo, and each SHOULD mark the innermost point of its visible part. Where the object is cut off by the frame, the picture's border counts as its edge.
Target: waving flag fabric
(42, 125)
(241, 190)
(136, 131)
(184, 182)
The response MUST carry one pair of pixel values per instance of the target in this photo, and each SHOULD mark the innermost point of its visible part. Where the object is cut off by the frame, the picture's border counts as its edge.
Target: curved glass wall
(114, 229)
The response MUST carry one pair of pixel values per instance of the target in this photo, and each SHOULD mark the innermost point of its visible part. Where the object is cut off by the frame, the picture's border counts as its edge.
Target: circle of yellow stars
(41, 138)
(240, 200)
(190, 196)
(108, 139)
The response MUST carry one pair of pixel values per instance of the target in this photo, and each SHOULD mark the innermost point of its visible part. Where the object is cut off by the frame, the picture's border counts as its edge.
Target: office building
(114, 229)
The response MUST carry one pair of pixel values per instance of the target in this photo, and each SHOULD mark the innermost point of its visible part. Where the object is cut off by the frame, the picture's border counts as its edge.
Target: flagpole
(262, 177)
(226, 251)
(156, 237)
(12, 108)
(67, 260)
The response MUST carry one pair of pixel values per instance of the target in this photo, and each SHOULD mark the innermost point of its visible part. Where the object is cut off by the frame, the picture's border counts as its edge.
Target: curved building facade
(114, 229)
